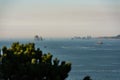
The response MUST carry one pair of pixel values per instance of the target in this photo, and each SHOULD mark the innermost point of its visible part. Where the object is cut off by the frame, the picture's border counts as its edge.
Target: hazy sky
(59, 18)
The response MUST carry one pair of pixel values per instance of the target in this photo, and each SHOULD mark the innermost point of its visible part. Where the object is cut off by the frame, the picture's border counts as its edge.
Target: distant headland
(78, 37)
(102, 37)
(110, 37)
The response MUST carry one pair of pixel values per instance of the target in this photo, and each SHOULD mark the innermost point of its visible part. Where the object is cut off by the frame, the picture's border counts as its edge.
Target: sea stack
(38, 38)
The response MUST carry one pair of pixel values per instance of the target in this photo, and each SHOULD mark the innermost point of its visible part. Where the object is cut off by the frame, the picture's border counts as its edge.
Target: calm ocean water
(101, 62)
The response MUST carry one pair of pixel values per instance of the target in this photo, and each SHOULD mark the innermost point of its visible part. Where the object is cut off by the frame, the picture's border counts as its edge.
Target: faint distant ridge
(78, 37)
(38, 38)
(111, 37)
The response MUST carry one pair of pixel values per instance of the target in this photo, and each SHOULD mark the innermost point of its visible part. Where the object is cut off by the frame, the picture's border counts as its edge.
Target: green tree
(87, 78)
(25, 62)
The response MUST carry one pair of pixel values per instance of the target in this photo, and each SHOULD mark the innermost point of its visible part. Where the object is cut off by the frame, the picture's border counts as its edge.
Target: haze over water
(23, 19)
(58, 18)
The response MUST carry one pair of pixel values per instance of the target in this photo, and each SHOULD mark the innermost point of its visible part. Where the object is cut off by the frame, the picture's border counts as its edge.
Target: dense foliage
(87, 78)
(25, 62)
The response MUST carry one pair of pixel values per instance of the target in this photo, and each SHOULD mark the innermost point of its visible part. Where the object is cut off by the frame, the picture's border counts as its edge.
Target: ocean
(99, 61)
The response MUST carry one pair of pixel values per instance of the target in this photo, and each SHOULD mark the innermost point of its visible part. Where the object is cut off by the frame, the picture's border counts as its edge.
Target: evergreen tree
(25, 62)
